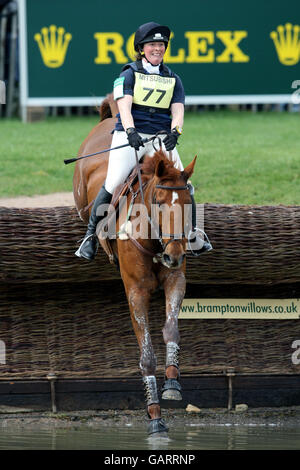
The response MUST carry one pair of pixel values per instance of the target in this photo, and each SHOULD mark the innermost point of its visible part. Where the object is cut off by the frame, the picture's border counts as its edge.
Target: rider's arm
(177, 111)
(177, 104)
(134, 139)
(124, 105)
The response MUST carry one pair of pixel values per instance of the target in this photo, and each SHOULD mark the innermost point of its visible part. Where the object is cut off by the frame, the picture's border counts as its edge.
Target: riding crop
(71, 160)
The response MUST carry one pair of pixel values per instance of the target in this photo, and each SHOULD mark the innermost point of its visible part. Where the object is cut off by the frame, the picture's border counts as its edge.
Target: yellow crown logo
(287, 43)
(53, 44)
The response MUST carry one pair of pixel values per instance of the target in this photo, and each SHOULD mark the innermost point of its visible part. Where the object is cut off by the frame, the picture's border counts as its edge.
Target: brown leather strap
(141, 248)
(86, 208)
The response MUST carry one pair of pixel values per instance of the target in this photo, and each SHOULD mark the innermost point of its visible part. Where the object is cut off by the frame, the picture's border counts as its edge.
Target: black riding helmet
(151, 32)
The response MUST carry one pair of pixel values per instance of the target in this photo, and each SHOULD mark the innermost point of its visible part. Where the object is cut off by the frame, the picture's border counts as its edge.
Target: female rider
(150, 99)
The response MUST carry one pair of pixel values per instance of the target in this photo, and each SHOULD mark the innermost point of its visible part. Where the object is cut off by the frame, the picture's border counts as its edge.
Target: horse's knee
(148, 363)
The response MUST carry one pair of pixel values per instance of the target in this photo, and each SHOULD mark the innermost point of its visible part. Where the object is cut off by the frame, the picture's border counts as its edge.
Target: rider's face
(154, 52)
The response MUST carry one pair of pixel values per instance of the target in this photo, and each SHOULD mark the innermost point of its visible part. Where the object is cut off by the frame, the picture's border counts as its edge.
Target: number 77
(150, 91)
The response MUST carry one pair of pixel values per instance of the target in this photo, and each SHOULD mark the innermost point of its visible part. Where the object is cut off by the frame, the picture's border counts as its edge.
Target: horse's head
(170, 203)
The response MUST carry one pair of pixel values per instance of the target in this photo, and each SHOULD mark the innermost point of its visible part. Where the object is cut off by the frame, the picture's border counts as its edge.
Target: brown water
(192, 437)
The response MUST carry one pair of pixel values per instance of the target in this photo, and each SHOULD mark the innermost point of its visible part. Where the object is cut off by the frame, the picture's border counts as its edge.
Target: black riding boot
(89, 246)
(198, 245)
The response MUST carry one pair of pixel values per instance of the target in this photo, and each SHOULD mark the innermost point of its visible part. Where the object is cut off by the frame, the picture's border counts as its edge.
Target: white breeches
(122, 161)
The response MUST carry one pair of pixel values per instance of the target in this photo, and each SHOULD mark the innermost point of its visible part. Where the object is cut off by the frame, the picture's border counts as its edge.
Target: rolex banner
(225, 52)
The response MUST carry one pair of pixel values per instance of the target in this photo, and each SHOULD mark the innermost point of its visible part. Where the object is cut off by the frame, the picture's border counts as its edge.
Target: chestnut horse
(145, 264)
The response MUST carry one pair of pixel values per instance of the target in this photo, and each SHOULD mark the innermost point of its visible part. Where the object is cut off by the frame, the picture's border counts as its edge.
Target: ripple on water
(192, 437)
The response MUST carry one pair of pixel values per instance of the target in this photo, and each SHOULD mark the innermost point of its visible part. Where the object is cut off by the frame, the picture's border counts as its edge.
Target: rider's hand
(134, 138)
(170, 140)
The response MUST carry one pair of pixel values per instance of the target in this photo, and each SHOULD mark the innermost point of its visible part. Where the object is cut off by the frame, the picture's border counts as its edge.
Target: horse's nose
(173, 262)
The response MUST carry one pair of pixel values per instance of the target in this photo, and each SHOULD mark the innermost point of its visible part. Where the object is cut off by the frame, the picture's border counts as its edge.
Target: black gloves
(170, 140)
(136, 141)
(134, 138)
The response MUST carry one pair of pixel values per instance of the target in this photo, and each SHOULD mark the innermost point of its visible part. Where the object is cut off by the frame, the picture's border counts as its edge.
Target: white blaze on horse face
(174, 197)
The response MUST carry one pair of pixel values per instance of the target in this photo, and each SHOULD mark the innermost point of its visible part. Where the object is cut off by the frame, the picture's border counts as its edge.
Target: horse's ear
(188, 171)
(160, 169)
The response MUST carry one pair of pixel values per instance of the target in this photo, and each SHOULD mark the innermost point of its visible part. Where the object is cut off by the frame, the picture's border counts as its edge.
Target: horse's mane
(104, 110)
(150, 163)
(108, 108)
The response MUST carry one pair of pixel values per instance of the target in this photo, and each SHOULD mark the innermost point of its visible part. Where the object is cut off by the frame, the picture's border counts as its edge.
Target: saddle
(121, 190)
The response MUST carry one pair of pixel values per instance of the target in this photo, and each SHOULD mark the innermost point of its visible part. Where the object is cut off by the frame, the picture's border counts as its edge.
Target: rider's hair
(139, 55)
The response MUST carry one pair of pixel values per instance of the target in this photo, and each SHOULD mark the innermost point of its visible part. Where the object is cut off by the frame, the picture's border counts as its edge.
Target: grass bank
(243, 158)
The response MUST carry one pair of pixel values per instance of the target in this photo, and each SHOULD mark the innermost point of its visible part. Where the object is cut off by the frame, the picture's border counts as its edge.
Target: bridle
(173, 237)
(157, 257)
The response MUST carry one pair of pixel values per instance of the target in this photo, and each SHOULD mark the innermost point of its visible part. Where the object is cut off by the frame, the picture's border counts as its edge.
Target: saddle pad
(121, 190)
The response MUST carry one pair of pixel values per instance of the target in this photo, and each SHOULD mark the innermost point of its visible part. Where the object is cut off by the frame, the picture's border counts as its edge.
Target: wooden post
(52, 379)
(3, 26)
(12, 67)
(230, 373)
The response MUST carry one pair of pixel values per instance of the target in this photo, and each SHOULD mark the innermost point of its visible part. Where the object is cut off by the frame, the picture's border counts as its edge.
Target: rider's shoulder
(167, 71)
(130, 66)
(138, 67)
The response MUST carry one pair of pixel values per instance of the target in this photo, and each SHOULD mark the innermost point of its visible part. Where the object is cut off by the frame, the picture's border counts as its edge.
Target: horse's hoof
(171, 390)
(158, 437)
(171, 395)
(156, 426)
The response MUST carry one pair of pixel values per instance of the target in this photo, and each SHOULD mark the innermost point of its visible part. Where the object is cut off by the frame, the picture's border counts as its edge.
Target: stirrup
(92, 238)
(206, 246)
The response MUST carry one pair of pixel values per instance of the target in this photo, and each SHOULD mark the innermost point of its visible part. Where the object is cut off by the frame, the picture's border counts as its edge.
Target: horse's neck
(148, 190)
(148, 194)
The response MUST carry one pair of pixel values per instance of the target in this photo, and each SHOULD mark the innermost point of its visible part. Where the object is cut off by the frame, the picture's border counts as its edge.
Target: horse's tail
(108, 108)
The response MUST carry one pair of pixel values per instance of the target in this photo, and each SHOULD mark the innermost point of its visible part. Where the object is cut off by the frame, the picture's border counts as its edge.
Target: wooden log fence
(252, 245)
(70, 317)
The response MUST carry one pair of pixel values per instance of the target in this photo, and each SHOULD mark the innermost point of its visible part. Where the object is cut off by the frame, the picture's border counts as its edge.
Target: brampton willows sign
(279, 309)
(67, 59)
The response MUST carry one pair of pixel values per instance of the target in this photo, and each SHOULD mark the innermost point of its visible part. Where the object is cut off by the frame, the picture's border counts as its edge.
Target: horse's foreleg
(174, 286)
(138, 300)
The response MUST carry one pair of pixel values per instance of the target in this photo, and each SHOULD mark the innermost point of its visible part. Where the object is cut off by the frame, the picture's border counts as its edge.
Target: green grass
(32, 154)
(243, 157)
